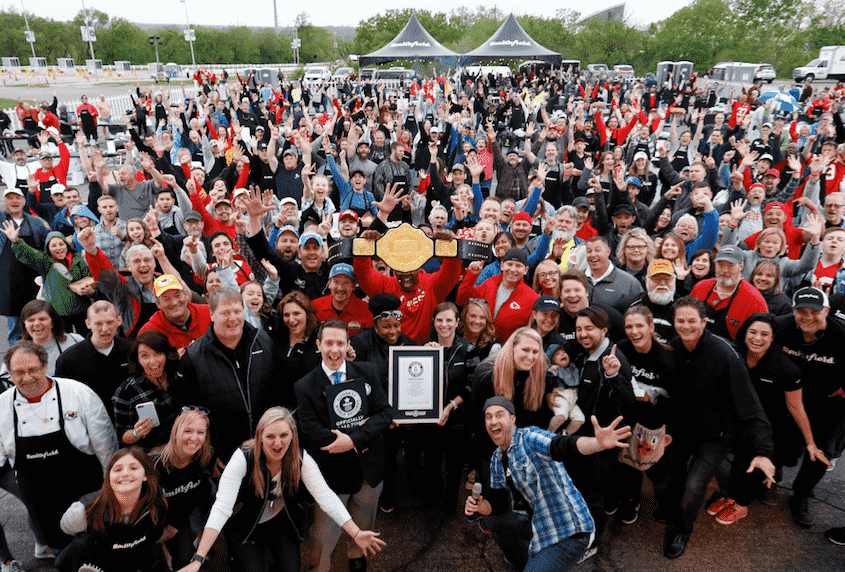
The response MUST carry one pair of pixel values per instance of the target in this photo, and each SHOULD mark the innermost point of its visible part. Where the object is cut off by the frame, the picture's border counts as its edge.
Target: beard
(662, 296)
(725, 283)
(560, 234)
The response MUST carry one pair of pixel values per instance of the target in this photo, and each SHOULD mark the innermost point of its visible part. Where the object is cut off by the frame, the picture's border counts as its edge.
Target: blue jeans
(706, 458)
(560, 557)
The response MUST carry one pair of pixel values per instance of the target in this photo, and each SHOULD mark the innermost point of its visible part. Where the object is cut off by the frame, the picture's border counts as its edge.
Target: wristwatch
(198, 558)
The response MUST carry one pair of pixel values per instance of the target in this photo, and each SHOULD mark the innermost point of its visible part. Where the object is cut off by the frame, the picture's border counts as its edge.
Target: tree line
(785, 33)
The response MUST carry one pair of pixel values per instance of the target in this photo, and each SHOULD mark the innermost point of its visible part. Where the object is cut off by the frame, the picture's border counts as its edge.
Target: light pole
(29, 34)
(189, 33)
(88, 24)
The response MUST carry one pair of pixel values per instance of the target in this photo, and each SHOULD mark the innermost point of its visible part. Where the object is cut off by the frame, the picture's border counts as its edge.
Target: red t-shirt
(826, 274)
(356, 314)
(794, 241)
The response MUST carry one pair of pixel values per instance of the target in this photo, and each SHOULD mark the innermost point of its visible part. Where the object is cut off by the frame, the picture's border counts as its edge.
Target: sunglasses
(189, 408)
(389, 314)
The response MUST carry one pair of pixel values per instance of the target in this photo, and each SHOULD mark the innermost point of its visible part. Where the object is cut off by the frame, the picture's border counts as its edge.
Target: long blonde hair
(291, 462)
(503, 371)
(167, 452)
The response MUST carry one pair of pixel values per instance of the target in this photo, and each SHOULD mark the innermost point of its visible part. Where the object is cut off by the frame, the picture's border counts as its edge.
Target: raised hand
(391, 198)
(88, 240)
(10, 231)
(611, 363)
(611, 436)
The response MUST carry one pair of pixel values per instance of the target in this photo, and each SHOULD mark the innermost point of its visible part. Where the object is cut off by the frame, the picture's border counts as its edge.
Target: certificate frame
(416, 384)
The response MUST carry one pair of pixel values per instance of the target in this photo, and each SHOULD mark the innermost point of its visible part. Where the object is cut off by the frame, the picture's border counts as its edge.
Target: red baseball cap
(522, 215)
(346, 213)
(775, 205)
(773, 172)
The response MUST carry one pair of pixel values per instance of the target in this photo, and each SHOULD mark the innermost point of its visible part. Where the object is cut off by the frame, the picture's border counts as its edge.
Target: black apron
(717, 320)
(49, 465)
(122, 547)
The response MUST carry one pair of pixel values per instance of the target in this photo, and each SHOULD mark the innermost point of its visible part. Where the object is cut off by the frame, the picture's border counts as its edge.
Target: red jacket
(356, 314)
(418, 306)
(514, 313)
(747, 300)
(198, 325)
(58, 173)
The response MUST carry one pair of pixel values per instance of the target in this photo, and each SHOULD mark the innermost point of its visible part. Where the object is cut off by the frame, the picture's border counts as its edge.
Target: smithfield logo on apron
(347, 404)
(71, 415)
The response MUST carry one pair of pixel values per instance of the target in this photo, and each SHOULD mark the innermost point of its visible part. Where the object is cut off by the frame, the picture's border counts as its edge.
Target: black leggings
(273, 547)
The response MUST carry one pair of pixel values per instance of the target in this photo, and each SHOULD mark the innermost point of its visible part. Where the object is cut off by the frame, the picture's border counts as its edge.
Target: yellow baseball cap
(660, 266)
(164, 283)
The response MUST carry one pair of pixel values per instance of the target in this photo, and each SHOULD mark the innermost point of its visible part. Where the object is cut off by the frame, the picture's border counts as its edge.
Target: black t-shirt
(774, 375)
(656, 368)
(185, 489)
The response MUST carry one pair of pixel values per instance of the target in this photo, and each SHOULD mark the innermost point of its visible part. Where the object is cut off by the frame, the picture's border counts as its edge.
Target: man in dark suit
(343, 414)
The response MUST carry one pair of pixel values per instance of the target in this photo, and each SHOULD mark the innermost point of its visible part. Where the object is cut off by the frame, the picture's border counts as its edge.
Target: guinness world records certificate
(416, 383)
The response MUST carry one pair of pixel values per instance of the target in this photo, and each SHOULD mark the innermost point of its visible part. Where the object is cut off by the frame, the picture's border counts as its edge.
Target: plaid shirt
(134, 391)
(559, 509)
(109, 243)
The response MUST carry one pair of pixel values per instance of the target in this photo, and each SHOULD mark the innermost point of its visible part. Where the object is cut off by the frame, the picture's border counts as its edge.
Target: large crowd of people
(660, 291)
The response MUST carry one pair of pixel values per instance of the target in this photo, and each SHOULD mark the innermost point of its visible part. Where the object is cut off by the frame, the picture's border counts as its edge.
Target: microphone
(476, 492)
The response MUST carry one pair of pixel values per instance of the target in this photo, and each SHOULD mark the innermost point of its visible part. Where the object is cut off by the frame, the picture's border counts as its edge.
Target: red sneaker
(720, 505)
(732, 514)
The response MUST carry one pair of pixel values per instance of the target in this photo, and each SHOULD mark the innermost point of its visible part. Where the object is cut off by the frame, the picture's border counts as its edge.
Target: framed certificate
(416, 383)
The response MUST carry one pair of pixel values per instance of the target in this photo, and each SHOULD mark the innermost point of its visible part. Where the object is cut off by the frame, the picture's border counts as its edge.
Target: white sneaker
(43, 552)
(13, 566)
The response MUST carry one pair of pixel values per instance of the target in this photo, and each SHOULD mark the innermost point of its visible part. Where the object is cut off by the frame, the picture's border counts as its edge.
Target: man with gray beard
(563, 237)
(659, 297)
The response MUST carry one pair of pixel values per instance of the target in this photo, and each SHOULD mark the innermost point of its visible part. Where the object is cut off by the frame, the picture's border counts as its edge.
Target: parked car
(368, 74)
(624, 71)
(765, 72)
(404, 76)
(341, 74)
(317, 73)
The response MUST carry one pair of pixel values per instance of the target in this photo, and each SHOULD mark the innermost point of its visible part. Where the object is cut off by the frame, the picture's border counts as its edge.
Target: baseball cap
(164, 283)
(521, 215)
(263, 147)
(459, 167)
(581, 203)
(290, 151)
(348, 213)
(13, 190)
(44, 155)
(660, 266)
(310, 236)
(640, 155)
(435, 129)
(501, 401)
(773, 172)
(222, 202)
(774, 205)
(342, 268)
(766, 156)
(809, 297)
(238, 192)
(634, 181)
(366, 144)
(357, 172)
(289, 228)
(57, 189)
(512, 150)
(624, 208)
(547, 304)
(288, 200)
(192, 215)
(730, 253)
(516, 254)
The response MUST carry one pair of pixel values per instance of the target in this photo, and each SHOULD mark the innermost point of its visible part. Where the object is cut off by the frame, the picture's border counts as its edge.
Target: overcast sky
(324, 13)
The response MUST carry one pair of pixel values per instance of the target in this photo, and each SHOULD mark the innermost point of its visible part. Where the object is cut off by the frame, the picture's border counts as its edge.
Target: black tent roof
(412, 43)
(510, 41)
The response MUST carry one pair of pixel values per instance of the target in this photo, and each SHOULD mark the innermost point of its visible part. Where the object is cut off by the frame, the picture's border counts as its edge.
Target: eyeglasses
(834, 206)
(389, 314)
(636, 246)
(31, 372)
(481, 301)
(189, 408)
(544, 275)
